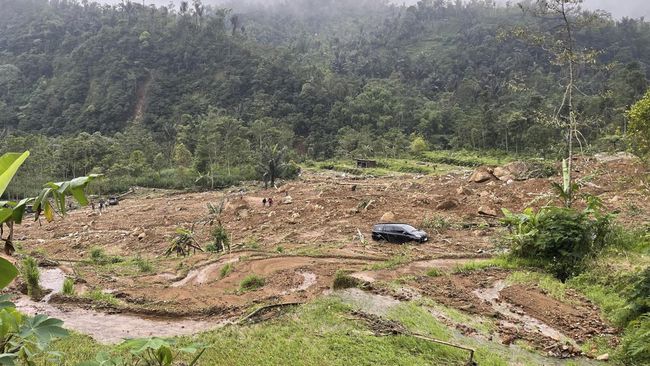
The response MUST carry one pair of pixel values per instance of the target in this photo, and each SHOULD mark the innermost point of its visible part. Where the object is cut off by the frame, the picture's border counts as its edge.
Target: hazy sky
(618, 8)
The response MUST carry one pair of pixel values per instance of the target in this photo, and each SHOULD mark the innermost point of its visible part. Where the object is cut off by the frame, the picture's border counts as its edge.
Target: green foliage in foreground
(560, 240)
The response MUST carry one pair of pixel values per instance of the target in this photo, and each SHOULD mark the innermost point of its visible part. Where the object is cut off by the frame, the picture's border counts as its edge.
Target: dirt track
(298, 247)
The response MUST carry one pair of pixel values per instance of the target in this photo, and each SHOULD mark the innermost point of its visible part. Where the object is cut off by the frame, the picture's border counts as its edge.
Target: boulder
(603, 357)
(287, 200)
(501, 172)
(142, 236)
(517, 169)
(387, 217)
(487, 211)
(482, 174)
(448, 204)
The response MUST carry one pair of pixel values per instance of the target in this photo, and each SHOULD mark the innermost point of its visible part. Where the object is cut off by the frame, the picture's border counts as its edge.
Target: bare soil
(298, 247)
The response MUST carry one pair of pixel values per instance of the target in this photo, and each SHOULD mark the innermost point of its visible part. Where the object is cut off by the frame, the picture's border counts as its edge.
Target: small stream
(103, 327)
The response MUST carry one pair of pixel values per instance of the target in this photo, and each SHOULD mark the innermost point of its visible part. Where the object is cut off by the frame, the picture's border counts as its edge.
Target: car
(398, 233)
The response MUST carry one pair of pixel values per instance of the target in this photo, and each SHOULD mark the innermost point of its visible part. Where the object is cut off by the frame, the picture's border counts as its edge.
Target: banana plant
(50, 200)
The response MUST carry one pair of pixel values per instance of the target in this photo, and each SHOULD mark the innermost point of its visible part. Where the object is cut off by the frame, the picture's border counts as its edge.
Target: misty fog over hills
(618, 8)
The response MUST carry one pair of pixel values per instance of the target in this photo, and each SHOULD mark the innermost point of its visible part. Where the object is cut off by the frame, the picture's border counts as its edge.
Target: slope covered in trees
(325, 78)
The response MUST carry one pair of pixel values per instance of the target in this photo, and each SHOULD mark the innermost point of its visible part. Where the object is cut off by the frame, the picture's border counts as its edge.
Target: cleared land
(297, 248)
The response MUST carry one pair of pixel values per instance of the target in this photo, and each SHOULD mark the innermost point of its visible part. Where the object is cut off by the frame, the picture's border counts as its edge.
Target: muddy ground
(297, 247)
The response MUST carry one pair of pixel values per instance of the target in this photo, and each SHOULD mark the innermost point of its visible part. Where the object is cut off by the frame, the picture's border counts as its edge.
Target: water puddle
(491, 295)
(113, 328)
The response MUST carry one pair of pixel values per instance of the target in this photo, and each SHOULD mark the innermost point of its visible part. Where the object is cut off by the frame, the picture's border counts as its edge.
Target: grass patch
(436, 223)
(97, 256)
(251, 282)
(434, 272)
(343, 280)
(226, 270)
(143, 265)
(391, 263)
(101, 297)
(499, 262)
(549, 284)
(68, 287)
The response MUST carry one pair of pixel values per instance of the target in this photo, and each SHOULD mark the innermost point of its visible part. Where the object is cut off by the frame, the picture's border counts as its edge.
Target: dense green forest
(168, 94)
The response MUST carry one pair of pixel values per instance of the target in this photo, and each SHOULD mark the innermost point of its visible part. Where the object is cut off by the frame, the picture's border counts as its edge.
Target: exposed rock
(487, 211)
(517, 169)
(482, 174)
(142, 236)
(287, 200)
(387, 217)
(501, 172)
(447, 204)
(464, 191)
(606, 158)
(603, 357)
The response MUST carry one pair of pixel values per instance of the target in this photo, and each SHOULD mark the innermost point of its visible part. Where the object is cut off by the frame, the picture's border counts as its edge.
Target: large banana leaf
(9, 164)
(7, 272)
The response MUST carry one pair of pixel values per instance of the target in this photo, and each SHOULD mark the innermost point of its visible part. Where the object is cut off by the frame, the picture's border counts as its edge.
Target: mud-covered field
(316, 226)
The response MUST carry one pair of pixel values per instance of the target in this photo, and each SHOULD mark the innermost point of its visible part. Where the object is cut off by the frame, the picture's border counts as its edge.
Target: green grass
(549, 284)
(498, 262)
(97, 256)
(391, 263)
(342, 280)
(251, 282)
(101, 297)
(385, 166)
(226, 270)
(323, 333)
(68, 287)
(143, 265)
(434, 272)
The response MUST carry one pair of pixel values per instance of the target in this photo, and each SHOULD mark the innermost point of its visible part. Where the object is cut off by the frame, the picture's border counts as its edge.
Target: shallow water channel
(103, 327)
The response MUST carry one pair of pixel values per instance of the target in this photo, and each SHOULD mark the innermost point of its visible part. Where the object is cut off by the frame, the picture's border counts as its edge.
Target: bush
(31, 276)
(68, 287)
(635, 345)
(220, 239)
(560, 240)
(251, 282)
(342, 280)
(226, 270)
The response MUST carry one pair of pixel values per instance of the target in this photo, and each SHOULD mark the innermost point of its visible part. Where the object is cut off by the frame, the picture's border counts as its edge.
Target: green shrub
(342, 280)
(220, 239)
(561, 240)
(434, 272)
(101, 297)
(226, 270)
(96, 254)
(635, 345)
(143, 265)
(31, 276)
(68, 287)
(279, 249)
(251, 282)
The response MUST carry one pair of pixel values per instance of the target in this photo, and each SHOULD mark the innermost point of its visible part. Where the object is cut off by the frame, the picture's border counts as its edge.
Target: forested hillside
(133, 90)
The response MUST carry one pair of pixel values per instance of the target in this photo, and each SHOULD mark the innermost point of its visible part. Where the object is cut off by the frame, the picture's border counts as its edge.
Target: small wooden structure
(365, 163)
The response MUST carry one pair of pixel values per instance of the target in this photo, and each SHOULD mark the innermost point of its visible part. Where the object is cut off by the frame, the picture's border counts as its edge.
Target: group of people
(267, 201)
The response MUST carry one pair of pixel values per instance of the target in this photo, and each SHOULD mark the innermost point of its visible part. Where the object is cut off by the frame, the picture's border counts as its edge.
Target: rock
(464, 191)
(447, 204)
(387, 217)
(603, 357)
(517, 169)
(510, 181)
(287, 200)
(142, 236)
(480, 175)
(606, 158)
(500, 172)
(487, 211)
(243, 213)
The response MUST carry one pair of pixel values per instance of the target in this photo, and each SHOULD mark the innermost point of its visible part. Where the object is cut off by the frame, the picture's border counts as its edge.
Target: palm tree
(272, 163)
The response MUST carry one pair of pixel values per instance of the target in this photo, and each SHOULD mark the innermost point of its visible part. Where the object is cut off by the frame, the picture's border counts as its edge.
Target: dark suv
(398, 233)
